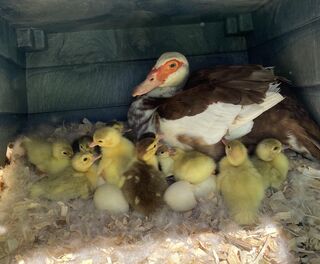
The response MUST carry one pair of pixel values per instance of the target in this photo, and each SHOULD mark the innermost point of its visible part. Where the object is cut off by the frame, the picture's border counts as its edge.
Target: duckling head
(236, 152)
(84, 143)
(106, 137)
(163, 152)
(61, 150)
(83, 161)
(147, 147)
(268, 149)
(175, 153)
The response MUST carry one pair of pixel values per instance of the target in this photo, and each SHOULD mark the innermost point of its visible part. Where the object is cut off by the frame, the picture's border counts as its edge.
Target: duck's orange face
(159, 75)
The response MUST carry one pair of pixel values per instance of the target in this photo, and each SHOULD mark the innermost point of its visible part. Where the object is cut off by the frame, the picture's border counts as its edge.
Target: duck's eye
(64, 153)
(81, 147)
(100, 141)
(85, 159)
(155, 145)
(151, 79)
(275, 148)
(172, 65)
(229, 147)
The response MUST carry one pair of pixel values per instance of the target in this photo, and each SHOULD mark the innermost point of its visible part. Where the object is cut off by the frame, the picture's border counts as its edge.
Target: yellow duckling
(240, 184)
(50, 157)
(83, 145)
(144, 187)
(73, 182)
(147, 148)
(165, 160)
(271, 163)
(84, 164)
(118, 153)
(192, 166)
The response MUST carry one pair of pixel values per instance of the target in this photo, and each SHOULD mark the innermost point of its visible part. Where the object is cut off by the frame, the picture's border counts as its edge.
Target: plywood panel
(98, 85)
(8, 48)
(279, 17)
(13, 97)
(311, 98)
(133, 44)
(295, 55)
(97, 114)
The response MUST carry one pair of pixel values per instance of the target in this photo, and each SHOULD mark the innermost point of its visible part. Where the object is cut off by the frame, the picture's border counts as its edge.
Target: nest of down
(42, 231)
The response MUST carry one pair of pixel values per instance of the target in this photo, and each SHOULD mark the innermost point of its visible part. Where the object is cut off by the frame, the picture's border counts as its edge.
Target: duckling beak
(96, 157)
(150, 83)
(92, 145)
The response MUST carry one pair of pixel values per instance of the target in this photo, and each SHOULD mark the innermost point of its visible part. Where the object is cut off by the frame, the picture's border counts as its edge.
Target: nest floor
(42, 231)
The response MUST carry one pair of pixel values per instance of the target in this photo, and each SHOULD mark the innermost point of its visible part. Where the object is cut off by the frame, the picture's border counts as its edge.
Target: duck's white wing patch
(210, 125)
(250, 112)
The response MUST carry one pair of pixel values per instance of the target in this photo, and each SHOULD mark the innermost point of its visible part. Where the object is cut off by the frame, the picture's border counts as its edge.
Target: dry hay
(41, 231)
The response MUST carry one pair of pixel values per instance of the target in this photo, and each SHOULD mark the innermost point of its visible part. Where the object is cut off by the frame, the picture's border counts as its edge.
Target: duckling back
(61, 187)
(144, 187)
(37, 150)
(193, 166)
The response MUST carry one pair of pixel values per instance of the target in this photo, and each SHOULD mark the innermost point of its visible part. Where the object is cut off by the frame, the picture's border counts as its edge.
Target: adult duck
(223, 102)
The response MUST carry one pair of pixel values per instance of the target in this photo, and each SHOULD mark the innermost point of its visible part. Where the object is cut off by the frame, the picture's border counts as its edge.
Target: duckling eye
(85, 159)
(172, 65)
(155, 145)
(100, 141)
(64, 153)
(151, 79)
(229, 147)
(275, 148)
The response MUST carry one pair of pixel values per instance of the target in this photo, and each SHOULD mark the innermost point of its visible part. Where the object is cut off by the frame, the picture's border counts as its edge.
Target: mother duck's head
(167, 76)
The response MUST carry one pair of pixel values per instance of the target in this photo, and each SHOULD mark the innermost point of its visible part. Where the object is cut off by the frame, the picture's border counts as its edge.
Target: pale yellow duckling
(49, 157)
(192, 166)
(73, 182)
(271, 162)
(118, 153)
(240, 184)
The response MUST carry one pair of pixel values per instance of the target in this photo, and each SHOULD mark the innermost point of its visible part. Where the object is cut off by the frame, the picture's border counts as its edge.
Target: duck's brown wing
(290, 123)
(234, 84)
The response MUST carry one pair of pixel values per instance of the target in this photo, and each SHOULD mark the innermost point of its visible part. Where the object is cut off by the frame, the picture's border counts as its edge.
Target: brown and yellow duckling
(144, 184)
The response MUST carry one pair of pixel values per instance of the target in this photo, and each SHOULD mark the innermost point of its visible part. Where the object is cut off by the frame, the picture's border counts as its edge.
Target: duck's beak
(93, 144)
(150, 83)
(224, 141)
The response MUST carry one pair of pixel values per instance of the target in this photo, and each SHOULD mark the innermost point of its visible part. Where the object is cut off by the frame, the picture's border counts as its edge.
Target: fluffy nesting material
(40, 231)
